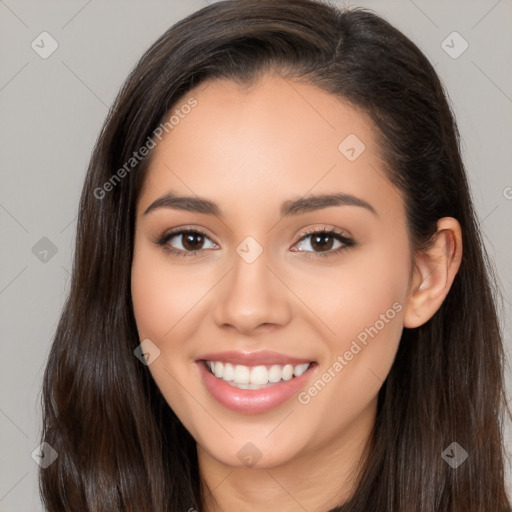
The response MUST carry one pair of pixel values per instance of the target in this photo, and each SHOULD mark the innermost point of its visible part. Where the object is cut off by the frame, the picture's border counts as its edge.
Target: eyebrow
(291, 207)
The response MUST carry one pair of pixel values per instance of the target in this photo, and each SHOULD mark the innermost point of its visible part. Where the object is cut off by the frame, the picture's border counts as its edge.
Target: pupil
(188, 242)
(322, 242)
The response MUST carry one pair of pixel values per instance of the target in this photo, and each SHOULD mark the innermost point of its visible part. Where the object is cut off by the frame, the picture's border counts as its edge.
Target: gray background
(51, 112)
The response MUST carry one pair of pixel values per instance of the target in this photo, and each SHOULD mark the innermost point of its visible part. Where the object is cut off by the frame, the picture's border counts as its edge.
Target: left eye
(322, 241)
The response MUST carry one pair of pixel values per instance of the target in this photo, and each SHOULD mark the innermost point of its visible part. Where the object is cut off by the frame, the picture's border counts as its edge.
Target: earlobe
(434, 272)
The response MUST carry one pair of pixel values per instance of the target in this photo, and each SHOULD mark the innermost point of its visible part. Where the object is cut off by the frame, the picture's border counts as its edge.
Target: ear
(433, 273)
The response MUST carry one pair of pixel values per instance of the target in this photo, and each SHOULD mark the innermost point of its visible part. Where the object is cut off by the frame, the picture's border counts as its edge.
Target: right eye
(187, 242)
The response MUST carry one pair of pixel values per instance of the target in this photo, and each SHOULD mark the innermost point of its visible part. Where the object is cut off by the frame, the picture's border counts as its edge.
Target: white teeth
(300, 369)
(274, 374)
(218, 369)
(287, 372)
(259, 375)
(255, 377)
(229, 372)
(248, 386)
(242, 374)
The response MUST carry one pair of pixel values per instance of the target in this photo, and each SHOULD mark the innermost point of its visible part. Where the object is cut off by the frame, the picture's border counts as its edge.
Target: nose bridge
(251, 294)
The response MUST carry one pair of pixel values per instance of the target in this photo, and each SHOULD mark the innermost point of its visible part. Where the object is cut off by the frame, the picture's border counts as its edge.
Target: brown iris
(322, 241)
(192, 241)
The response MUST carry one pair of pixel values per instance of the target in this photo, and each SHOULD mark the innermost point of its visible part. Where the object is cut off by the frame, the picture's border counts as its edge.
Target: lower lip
(252, 401)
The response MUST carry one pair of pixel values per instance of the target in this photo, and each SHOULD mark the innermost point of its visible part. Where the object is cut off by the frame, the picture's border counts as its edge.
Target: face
(295, 296)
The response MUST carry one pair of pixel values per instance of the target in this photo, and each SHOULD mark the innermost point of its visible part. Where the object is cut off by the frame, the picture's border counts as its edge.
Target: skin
(249, 149)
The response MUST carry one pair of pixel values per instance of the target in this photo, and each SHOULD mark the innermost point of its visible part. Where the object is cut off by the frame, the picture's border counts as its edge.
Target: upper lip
(263, 357)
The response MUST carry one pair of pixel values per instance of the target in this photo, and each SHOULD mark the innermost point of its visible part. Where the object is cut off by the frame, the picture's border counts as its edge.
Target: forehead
(261, 143)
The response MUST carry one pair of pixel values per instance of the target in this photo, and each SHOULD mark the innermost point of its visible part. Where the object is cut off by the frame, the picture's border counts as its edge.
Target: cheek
(162, 298)
(353, 295)
(159, 294)
(150, 298)
(362, 303)
(162, 293)
(366, 320)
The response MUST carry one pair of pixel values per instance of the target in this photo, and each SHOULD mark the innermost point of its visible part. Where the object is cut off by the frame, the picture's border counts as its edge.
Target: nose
(252, 297)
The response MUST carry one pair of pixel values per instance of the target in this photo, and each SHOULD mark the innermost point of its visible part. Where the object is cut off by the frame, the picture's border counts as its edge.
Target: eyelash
(347, 242)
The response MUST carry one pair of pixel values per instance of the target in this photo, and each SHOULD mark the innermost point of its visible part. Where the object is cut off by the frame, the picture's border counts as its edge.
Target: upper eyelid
(312, 231)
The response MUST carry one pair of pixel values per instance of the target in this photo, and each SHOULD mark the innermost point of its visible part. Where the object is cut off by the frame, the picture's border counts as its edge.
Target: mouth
(255, 377)
(264, 382)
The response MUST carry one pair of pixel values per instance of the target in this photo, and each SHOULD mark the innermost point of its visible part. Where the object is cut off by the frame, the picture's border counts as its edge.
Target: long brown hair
(120, 446)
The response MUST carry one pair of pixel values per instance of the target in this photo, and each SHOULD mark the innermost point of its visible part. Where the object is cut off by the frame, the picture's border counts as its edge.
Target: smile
(255, 377)
(256, 382)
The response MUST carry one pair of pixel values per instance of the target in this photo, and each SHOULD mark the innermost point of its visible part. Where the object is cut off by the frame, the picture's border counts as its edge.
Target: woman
(280, 298)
